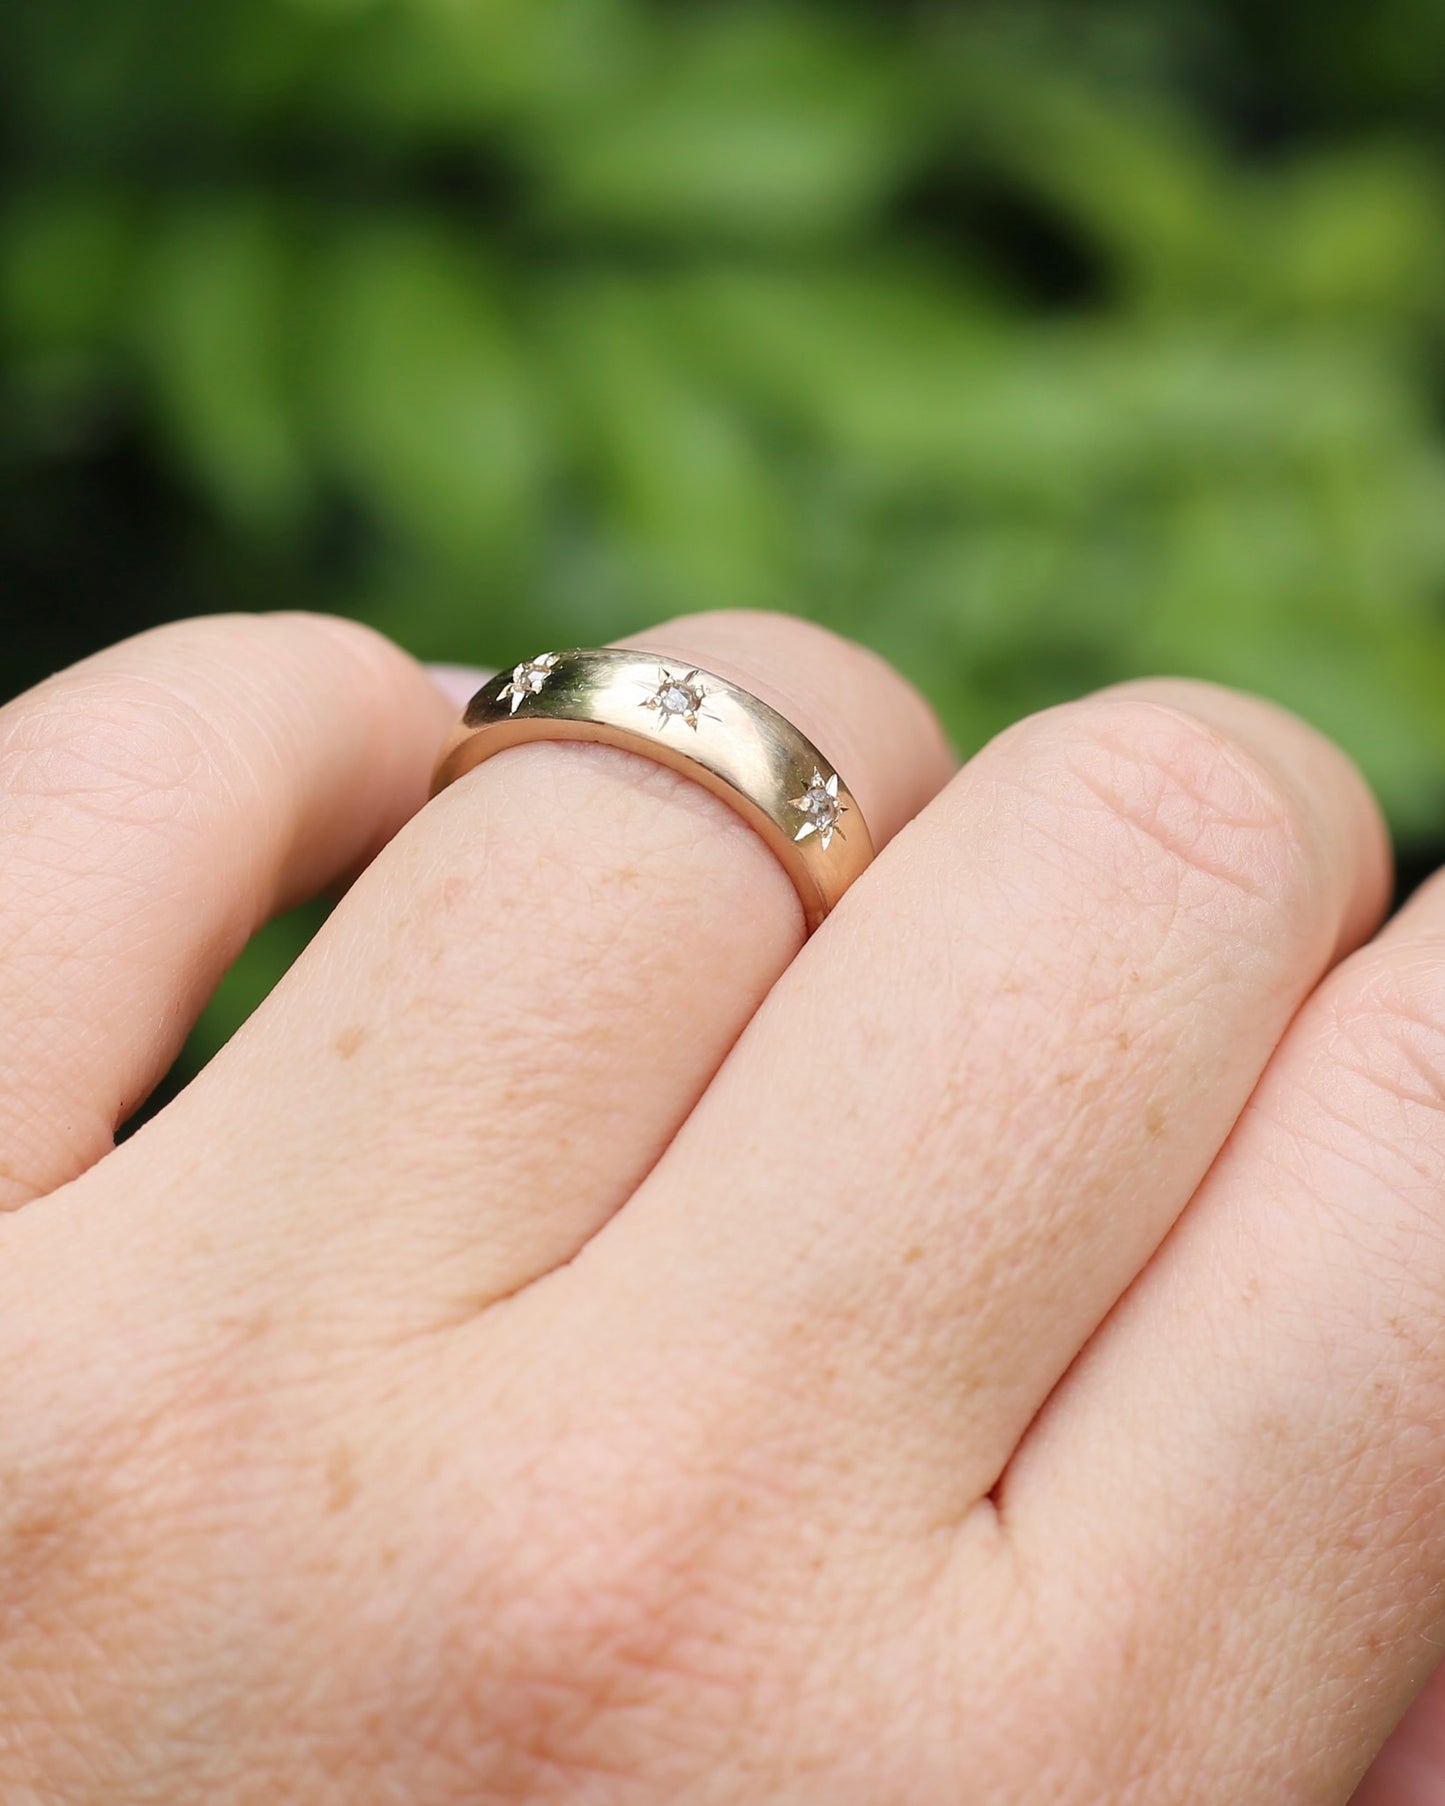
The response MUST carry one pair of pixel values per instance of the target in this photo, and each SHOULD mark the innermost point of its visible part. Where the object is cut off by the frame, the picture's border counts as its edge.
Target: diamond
(528, 679)
(820, 808)
(680, 697)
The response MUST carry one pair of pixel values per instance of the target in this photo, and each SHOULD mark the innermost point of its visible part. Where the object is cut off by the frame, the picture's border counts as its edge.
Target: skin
(580, 1344)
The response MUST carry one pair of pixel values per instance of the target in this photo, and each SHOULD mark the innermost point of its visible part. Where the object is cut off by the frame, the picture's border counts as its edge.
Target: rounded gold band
(699, 724)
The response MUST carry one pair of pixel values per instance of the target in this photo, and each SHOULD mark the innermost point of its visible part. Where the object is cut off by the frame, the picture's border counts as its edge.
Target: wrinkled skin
(580, 1344)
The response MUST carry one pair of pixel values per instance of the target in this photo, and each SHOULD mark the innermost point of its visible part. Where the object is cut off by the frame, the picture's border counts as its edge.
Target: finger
(156, 804)
(1273, 1391)
(965, 1119)
(458, 683)
(1410, 1770)
(501, 1027)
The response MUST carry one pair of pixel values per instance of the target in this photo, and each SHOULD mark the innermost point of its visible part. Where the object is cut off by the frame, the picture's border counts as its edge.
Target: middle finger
(976, 1109)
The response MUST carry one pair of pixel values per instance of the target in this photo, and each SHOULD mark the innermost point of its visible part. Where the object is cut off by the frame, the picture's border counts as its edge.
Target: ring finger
(501, 1027)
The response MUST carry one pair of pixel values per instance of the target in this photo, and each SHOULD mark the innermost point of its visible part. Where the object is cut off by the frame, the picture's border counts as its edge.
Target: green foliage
(1005, 337)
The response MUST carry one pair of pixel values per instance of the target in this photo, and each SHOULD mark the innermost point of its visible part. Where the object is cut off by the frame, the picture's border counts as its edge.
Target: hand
(577, 1344)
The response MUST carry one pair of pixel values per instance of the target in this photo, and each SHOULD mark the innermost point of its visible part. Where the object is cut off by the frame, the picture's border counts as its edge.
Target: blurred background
(1038, 344)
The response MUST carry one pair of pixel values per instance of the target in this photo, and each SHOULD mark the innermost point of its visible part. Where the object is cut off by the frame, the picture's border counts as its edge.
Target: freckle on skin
(251, 1328)
(912, 1257)
(31, 1533)
(1123, 1041)
(349, 1040)
(1154, 1119)
(341, 1479)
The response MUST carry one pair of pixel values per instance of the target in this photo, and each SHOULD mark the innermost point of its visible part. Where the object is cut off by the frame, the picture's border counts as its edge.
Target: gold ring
(711, 730)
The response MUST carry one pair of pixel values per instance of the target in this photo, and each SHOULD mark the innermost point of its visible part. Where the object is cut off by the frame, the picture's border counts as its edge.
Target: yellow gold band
(711, 730)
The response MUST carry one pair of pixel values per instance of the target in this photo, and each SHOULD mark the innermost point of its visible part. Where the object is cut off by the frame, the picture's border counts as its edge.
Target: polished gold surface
(721, 736)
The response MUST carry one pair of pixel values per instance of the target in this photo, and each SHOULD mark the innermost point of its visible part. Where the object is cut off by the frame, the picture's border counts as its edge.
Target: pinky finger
(1257, 1434)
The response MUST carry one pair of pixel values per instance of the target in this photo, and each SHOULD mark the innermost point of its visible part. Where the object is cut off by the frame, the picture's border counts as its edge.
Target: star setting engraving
(528, 679)
(820, 809)
(678, 696)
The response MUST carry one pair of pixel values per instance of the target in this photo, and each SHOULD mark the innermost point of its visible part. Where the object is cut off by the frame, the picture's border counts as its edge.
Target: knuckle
(118, 748)
(535, 1648)
(649, 1628)
(802, 658)
(1170, 805)
(1371, 1102)
(127, 736)
(762, 626)
(600, 1642)
(1385, 1036)
(133, 1490)
(373, 661)
(62, 1566)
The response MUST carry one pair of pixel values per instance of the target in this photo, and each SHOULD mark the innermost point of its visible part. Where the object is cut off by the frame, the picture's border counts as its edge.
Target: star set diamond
(680, 697)
(528, 679)
(820, 808)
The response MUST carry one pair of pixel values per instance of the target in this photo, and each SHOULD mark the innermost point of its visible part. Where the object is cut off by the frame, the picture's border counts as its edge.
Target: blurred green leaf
(1038, 345)
(685, 484)
(1129, 172)
(774, 125)
(411, 74)
(216, 318)
(1349, 233)
(426, 404)
(65, 267)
